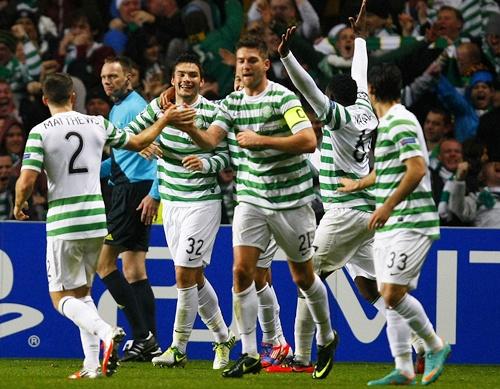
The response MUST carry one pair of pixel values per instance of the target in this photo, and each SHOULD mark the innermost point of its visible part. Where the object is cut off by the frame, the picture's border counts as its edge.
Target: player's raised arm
(359, 67)
(300, 78)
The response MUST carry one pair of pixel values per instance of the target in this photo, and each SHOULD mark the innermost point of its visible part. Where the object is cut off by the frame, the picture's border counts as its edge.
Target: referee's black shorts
(125, 228)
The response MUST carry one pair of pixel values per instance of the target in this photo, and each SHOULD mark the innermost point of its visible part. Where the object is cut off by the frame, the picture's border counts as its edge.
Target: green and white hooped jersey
(345, 148)
(176, 183)
(68, 146)
(400, 137)
(266, 177)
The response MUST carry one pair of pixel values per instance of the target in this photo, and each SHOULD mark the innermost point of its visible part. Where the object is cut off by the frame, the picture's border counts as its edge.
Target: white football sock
(185, 314)
(90, 342)
(210, 313)
(279, 330)
(84, 317)
(303, 332)
(267, 315)
(245, 305)
(413, 312)
(417, 343)
(398, 334)
(317, 302)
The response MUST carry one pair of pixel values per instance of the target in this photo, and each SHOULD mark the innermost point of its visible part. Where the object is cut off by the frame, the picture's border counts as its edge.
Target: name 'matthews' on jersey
(68, 146)
(267, 177)
(399, 138)
(176, 183)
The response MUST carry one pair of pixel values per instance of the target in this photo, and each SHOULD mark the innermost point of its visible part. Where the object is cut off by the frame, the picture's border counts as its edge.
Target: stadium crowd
(448, 52)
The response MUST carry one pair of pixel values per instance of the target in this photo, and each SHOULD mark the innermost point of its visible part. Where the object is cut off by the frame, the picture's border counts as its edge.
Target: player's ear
(45, 101)
(267, 64)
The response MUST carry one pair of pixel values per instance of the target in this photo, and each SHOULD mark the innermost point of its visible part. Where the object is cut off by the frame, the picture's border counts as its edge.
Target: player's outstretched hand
(347, 185)
(248, 139)
(179, 117)
(149, 207)
(193, 163)
(18, 212)
(166, 97)
(284, 46)
(359, 24)
(151, 152)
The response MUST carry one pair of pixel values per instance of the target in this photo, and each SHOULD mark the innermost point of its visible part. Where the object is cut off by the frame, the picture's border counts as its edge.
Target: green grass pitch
(43, 373)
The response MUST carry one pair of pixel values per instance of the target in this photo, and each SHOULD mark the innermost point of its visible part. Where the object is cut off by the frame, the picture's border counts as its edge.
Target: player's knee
(243, 274)
(392, 295)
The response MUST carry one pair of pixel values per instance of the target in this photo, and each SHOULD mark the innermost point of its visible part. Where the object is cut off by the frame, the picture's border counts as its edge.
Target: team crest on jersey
(267, 111)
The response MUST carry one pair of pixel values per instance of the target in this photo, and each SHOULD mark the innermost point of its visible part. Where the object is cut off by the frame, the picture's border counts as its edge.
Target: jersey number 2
(72, 168)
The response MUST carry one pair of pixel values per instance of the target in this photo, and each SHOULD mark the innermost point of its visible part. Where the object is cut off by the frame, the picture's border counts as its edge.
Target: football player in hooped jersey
(273, 191)
(342, 237)
(405, 223)
(191, 199)
(68, 146)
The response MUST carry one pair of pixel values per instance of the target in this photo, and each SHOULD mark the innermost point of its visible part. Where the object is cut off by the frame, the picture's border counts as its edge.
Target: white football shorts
(399, 258)
(293, 229)
(191, 232)
(343, 239)
(72, 263)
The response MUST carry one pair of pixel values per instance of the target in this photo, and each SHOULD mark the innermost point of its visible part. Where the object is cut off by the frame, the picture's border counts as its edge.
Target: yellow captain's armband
(295, 115)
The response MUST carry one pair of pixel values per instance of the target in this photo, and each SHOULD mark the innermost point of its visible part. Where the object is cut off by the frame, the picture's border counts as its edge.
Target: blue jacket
(126, 166)
(466, 118)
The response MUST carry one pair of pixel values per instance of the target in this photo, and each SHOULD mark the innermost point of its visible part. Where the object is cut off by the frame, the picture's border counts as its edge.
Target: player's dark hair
(188, 58)
(342, 89)
(385, 82)
(57, 88)
(251, 41)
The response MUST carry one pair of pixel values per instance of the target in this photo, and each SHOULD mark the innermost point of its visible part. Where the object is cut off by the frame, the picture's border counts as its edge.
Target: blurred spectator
(207, 42)
(491, 45)
(6, 195)
(39, 29)
(482, 208)
(450, 155)
(11, 69)
(338, 48)
(298, 13)
(488, 133)
(164, 19)
(145, 48)
(61, 11)
(378, 19)
(81, 55)
(12, 143)
(437, 126)
(467, 109)
(475, 13)
(7, 105)
(97, 103)
(123, 26)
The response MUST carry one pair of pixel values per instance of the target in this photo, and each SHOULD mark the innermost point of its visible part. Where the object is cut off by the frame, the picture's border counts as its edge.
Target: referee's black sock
(146, 300)
(124, 296)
